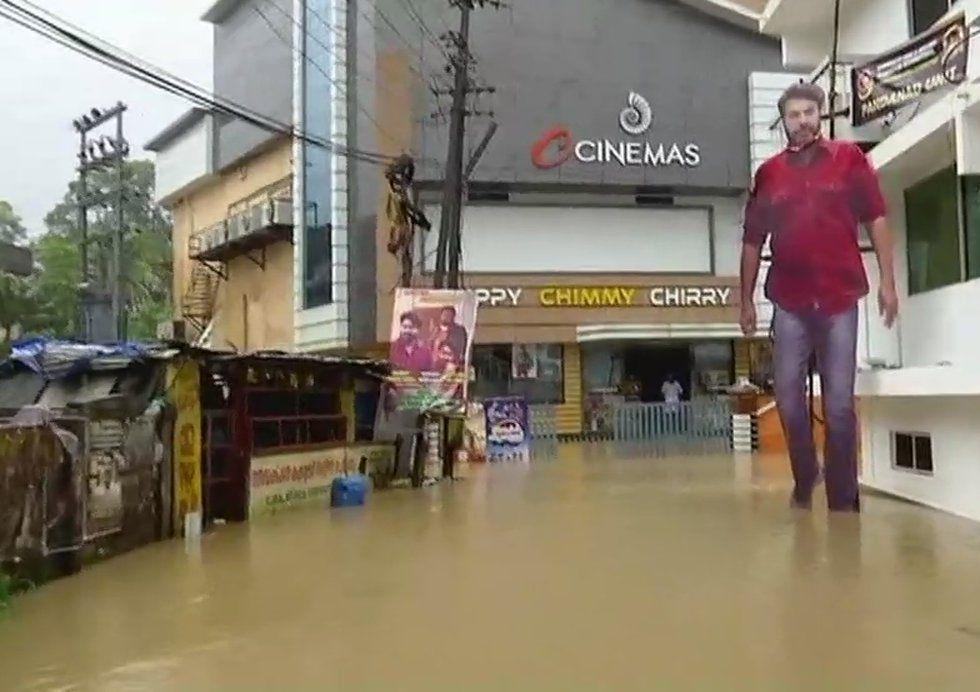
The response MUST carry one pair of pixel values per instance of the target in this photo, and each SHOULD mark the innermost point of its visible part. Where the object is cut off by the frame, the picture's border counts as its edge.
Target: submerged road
(585, 572)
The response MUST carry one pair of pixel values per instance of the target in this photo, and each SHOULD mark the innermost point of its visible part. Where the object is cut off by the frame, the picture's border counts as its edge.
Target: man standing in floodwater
(809, 200)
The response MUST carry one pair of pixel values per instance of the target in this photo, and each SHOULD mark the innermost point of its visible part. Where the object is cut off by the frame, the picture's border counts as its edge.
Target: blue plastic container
(348, 491)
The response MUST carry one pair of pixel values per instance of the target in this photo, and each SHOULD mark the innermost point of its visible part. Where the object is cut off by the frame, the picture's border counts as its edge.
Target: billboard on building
(431, 342)
(929, 61)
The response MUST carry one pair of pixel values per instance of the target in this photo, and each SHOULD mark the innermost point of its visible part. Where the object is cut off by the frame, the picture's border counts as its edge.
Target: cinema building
(603, 223)
(601, 226)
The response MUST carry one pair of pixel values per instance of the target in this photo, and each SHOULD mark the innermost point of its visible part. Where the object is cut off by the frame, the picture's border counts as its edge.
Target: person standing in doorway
(672, 391)
(809, 200)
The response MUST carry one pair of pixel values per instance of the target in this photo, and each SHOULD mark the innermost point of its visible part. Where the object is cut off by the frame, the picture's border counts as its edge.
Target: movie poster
(524, 362)
(431, 344)
(475, 433)
(508, 430)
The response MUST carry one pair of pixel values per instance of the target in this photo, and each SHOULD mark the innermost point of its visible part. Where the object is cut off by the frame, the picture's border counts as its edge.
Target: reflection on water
(583, 572)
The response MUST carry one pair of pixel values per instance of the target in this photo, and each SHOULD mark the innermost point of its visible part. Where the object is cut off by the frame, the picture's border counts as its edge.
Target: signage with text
(926, 63)
(557, 145)
(279, 481)
(608, 296)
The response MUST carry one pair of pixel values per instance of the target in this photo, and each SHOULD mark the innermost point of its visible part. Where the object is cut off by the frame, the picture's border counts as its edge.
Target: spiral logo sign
(556, 145)
(637, 117)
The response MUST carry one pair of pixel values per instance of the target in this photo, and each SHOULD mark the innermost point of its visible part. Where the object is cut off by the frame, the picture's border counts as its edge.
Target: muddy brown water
(588, 572)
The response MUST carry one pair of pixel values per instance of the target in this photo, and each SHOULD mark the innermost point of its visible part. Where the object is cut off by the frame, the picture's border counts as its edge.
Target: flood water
(582, 573)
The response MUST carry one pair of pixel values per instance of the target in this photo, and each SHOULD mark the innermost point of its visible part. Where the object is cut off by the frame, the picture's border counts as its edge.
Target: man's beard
(803, 135)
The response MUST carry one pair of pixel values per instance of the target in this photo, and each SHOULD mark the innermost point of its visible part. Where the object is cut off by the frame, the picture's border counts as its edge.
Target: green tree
(146, 249)
(11, 228)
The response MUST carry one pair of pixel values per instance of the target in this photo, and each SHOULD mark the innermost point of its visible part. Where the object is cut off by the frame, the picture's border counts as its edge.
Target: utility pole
(449, 246)
(101, 154)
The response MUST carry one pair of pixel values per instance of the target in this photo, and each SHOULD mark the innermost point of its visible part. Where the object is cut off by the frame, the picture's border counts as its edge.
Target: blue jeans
(834, 340)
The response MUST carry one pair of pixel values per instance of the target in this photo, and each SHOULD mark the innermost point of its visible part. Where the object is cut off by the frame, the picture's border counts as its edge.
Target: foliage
(11, 228)
(146, 255)
(426, 401)
(10, 587)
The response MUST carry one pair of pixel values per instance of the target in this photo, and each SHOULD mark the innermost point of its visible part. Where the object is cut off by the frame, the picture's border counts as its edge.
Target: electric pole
(449, 245)
(104, 153)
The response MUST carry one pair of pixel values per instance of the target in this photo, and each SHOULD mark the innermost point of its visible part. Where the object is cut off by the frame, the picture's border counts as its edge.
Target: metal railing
(694, 427)
(543, 423)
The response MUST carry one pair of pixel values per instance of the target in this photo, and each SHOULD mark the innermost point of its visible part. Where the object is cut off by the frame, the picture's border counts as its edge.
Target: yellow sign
(278, 481)
(185, 376)
(588, 297)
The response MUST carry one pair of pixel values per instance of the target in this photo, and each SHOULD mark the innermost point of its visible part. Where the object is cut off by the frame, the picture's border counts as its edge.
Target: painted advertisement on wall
(431, 344)
(185, 376)
(508, 429)
(930, 61)
(284, 481)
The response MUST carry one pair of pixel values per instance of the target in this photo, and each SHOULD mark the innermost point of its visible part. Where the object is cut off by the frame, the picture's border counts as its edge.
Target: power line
(302, 52)
(79, 41)
(426, 31)
(371, 22)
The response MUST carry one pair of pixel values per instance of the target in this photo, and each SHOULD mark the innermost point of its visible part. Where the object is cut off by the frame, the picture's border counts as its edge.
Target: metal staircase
(198, 302)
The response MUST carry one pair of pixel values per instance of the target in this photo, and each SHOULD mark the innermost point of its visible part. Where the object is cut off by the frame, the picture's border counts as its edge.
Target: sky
(44, 86)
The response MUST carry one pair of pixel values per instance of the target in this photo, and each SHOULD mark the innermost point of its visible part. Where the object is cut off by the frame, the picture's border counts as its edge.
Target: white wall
(868, 27)
(186, 159)
(952, 423)
(553, 239)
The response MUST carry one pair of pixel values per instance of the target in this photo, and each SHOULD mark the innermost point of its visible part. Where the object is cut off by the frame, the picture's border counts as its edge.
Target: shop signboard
(658, 296)
(185, 375)
(930, 61)
(508, 429)
(431, 343)
(281, 481)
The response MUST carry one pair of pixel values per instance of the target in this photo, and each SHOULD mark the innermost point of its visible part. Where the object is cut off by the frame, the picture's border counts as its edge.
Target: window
(293, 409)
(317, 174)
(537, 374)
(971, 223)
(912, 452)
(933, 230)
(925, 13)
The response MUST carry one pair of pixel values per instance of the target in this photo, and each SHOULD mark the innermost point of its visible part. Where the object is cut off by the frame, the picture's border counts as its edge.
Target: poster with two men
(431, 345)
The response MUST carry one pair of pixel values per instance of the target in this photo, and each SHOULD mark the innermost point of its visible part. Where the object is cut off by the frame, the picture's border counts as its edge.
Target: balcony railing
(257, 226)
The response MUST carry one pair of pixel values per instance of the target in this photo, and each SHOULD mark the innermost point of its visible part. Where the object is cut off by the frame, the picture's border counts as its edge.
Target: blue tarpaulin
(54, 358)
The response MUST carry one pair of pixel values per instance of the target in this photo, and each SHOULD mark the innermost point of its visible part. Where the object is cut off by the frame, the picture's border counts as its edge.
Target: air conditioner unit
(237, 227)
(277, 212)
(256, 217)
(219, 235)
(282, 212)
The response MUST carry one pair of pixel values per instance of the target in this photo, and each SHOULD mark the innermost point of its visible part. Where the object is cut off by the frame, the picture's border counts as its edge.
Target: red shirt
(810, 202)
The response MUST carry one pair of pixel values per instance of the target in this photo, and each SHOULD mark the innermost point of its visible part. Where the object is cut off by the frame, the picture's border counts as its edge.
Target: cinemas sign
(607, 297)
(557, 145)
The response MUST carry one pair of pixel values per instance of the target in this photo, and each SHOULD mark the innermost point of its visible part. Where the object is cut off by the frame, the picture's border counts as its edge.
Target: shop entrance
(649, 365)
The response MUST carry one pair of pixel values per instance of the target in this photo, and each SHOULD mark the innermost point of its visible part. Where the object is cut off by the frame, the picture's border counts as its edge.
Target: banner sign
(508, 429)
(930, 61)
(431, 343)
(281, 481)
(185, 376)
